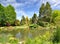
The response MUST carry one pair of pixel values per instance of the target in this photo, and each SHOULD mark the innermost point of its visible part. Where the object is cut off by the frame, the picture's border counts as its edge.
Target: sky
(29, 7)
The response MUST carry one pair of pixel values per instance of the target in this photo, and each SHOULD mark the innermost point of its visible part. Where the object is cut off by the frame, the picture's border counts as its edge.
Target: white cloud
(55, 4)
(21, 13)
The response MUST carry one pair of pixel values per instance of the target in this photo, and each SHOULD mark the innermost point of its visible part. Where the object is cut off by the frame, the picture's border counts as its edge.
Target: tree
(7, 15)
(48, 10)
(41, 10)
(10, 14)
(2, 15)
(30, 21)
(17, 23)
(54, 15)
(34, 18)
(23, 21)
(45, 12)
(27, 21)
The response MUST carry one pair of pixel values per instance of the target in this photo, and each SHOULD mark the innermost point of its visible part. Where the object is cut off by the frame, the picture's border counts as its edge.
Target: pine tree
(41, 10)
(45, 12)
(23, 21)
(34, 18)
(27, 21)
(48, 10)
(30, 21)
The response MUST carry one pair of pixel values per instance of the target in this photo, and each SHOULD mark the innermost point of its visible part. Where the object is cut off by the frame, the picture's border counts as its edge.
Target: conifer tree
(23, 21)
(34, 18)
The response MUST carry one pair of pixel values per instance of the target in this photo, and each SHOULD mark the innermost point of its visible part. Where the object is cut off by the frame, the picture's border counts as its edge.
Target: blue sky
(29, 7)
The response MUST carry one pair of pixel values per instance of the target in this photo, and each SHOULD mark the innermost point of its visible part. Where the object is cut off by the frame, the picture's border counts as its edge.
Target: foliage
(23, 21)
(10, 14)
(54, 15)
(57, 20)
(44, 39)
(36, 36)
(13, 40)
(48, 10)
(17, 23)
(2, 15)
(27, 21)
(7, 15)
(34, 19)
(33, 26)
(45, 12)
(40, 23)
(41, 10)
(56, 37)
(5, 39)
(30, 21)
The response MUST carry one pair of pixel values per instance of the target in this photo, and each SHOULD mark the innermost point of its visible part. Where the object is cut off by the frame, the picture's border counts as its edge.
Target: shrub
(17, 23)
(33, 26)
(56, 37)
(41, 23)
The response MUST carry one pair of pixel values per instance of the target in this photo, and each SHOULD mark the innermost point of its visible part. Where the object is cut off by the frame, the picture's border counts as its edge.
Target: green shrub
(33, 26)
(56, 37)
(17, 23)
(41, 23)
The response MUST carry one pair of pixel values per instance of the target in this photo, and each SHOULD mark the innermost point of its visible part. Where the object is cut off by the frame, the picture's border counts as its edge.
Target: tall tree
(23, 21)
(41, 10)
(56, 17)
(10, 14)
(45, 12)
(48, 10)
(30, 21)
(34, 18)
(7, 15)
(27, 21)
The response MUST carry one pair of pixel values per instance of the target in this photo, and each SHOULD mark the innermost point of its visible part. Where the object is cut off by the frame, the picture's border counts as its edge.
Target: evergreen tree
(27, 21)
(48, 10)
(41, 10)
(23, 21)
(34, 19)
(30, 21)
(45, 12)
